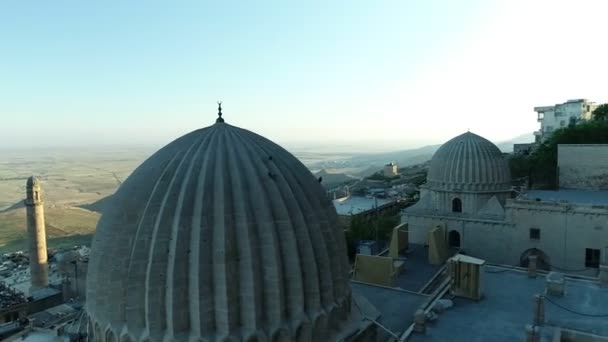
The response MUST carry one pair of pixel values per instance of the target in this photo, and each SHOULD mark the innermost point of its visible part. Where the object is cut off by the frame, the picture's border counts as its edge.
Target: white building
(468, 193)
(390, 170)
(555, 117)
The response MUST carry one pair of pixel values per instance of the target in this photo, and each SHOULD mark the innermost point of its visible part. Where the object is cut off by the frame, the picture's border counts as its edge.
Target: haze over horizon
(391, 75)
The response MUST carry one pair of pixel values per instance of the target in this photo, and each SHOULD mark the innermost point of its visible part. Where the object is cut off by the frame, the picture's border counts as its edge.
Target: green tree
(541, 166)
(601, 112)
(362, 228)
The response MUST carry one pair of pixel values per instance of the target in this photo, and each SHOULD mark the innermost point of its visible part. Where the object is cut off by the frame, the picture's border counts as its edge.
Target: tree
(541, 167)
(362, 228)
(601, 112)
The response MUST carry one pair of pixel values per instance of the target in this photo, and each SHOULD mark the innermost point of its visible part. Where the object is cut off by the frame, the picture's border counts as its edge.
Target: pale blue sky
(389, 73)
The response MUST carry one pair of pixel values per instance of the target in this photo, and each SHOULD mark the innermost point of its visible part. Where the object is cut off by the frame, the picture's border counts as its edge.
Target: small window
(562, 123)
(534, 234)
(592, 258)
(456, 205)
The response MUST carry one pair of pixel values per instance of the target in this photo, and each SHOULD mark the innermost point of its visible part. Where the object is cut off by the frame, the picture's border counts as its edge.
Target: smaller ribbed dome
(469, 162)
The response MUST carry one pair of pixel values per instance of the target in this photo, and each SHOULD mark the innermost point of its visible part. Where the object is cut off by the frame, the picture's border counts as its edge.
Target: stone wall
(565, 232)
(583, 166)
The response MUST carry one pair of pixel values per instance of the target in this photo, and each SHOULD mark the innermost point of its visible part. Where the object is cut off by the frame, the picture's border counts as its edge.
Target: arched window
(454, 239)
(543, 262)
(456, 205)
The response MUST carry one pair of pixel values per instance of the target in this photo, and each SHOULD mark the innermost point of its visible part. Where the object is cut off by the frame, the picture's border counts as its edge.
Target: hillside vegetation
(541, 166)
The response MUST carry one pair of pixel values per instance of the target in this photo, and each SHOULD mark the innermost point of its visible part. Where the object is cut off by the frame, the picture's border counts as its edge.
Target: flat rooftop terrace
(507, 307)
(571, 196)
(417, 270)
(396, 306)
(354, 205)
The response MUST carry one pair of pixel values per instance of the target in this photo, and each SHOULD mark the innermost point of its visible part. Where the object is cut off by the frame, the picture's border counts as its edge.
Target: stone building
(390, 170)
(365, 208)
(558, 116)
(221, 235)
(468, 193)
(13, 304)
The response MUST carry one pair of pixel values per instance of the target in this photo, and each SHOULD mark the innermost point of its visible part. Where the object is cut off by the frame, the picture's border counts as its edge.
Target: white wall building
(552, 118)
(390, 170)
(468, 193)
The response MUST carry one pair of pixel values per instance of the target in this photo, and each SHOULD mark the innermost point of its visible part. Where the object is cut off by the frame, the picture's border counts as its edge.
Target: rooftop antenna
(219, 112)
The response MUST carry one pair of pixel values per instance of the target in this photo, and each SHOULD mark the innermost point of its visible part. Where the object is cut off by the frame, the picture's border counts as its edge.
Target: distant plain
(70, 178)
(75, 181)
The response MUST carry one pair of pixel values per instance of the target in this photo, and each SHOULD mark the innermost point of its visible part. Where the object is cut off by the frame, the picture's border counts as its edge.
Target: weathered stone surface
(36, 234)
(220, 234)
(583, 166)
(468, 162)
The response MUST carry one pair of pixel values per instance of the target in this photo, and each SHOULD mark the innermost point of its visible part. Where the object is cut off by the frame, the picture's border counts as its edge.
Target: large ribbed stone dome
(220, 235)
(468, 162)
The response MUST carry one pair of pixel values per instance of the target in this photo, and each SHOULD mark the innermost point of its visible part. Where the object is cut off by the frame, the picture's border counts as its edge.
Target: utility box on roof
(467, 276)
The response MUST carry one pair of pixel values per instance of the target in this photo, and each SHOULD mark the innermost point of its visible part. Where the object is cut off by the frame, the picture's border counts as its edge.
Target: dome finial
(219, 112)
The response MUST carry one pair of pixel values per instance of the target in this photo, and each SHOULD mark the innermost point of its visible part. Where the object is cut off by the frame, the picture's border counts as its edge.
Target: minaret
(39, 269)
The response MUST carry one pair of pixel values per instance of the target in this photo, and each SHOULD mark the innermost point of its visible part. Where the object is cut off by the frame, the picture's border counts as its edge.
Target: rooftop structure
(584, 197)
(220, 235)
(54, 316)
(560, 115)
(13, 304)
(396, 304)
(505, 310)
(354, 205)
(501, 313)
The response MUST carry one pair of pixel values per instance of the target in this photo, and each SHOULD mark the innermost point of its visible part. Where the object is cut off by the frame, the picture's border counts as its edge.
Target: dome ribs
(109, 285)
(251, 295)
(269, 244)
(468, 162)
(301, 210)
(290, 267)
(302, 272)
(155, 289)
(202, 303)
(477, 168)
(224, 259)
(470, 153)
(136, 269)
(292, 274)
(220, 235)
(323, 238)
(454, 168)
(178, 320)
